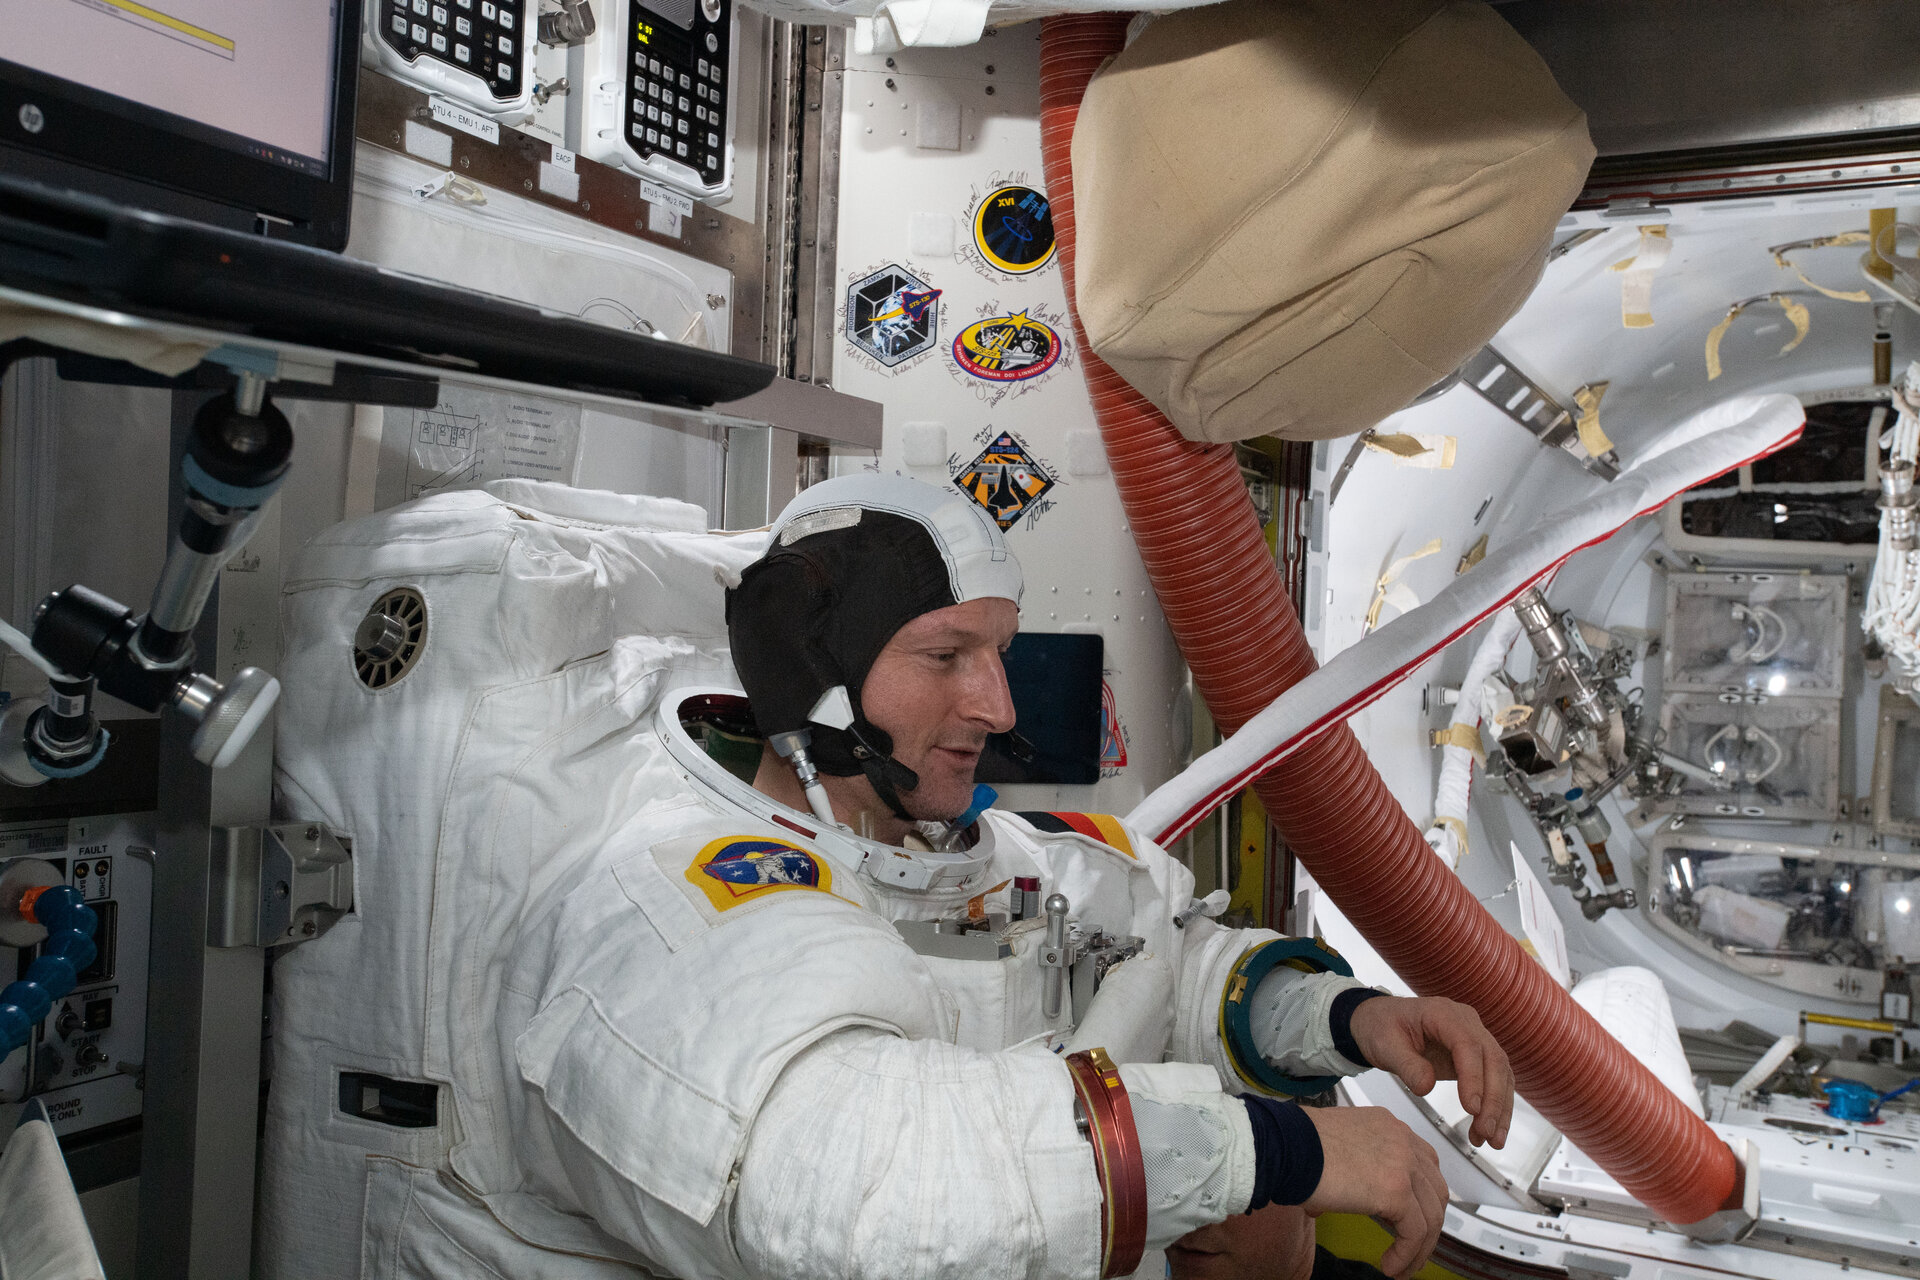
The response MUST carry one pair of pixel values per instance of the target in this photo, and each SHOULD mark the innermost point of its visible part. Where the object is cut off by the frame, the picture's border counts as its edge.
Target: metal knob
(379, 636)
(232, 714)
(1054, 958)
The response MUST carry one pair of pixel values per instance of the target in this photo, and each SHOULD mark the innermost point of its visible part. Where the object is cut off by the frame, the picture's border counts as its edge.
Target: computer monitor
(231, 112)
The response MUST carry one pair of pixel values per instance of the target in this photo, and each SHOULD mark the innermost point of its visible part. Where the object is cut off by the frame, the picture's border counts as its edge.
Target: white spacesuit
(738, 1060)
(753, 1071)
(672, 1025)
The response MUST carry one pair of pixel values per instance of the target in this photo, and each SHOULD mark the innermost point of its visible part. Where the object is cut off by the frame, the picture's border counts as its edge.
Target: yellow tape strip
(1391, 576)
(1718, 332)
(1636, 282)
(1797, 314)
(1587, 420)
(1475, 554)
(1880, 231)
(1459, 830)
(1464, 736)
(1780, 253)
(1397, 443)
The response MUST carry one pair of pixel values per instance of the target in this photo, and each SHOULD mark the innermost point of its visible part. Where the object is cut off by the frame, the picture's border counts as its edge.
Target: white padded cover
(555, 618)
(43, 1233)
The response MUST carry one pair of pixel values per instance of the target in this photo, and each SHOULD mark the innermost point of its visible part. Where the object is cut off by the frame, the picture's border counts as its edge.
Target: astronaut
(802, 1020)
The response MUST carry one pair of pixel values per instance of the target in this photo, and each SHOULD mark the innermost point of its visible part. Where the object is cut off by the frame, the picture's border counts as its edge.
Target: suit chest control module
(478, 53)
(659, 105)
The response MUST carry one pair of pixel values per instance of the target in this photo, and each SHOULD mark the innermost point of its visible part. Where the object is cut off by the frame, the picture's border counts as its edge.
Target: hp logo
(32, 119)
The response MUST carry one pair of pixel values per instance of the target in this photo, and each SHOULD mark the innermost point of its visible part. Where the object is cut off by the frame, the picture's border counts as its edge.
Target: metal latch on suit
(278, 884)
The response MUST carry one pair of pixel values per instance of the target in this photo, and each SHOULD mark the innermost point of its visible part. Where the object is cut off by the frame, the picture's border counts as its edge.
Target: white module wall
(964, 338)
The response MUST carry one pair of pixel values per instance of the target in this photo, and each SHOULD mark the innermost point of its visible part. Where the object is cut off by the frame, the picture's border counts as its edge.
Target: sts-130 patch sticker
(1007, 480)
(736, 869)
(1008, 348)
(1013, 229)
(893, 315)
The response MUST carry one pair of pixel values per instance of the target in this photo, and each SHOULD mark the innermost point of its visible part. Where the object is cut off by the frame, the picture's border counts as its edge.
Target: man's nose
(989, 701)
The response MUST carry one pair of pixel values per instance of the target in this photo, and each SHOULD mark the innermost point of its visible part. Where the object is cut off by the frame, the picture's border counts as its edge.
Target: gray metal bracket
(1533, 407)
(275, 885)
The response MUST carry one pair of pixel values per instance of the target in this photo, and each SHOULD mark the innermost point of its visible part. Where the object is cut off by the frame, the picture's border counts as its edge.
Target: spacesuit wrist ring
(1106, 1117)
(1236, 1025)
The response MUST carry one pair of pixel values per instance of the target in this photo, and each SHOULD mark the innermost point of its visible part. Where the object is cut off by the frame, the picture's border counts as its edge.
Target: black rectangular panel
(1055, 682)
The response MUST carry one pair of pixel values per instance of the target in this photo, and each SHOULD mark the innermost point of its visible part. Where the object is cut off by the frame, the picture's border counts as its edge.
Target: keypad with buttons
(677, 100)
(480, 37)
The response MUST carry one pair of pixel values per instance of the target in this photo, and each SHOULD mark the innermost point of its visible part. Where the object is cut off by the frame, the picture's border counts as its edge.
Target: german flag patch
(1103, 827)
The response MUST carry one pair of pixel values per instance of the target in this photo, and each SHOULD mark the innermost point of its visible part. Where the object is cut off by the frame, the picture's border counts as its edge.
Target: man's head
(902, 596)
(938, 689)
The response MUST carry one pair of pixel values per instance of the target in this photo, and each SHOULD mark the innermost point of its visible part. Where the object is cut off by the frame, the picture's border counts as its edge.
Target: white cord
(1892, 612)
(17, 640)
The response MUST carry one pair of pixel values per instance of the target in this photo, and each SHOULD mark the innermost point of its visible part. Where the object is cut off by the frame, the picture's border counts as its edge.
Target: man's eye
(944, 655)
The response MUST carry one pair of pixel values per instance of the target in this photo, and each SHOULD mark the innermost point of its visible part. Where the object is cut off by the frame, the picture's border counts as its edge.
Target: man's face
(938, 688)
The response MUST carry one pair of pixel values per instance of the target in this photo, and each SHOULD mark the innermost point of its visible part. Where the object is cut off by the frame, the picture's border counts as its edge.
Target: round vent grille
(390, 637)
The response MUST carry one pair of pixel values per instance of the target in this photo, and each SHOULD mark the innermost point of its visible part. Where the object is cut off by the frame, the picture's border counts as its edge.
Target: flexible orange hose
(1224, 600)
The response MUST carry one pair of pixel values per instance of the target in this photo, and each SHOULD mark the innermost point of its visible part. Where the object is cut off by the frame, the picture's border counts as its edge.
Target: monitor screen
(256, 78)
(234, 102)
(1055, 681)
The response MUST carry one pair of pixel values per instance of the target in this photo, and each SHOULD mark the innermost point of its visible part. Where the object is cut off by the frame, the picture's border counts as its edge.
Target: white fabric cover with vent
(555, 618)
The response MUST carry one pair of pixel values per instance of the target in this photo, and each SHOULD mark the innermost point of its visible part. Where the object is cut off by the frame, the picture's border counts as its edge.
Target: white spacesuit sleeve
(1289, 1015)
(1198, 1147)
(881, 1156)
(1292, 1022)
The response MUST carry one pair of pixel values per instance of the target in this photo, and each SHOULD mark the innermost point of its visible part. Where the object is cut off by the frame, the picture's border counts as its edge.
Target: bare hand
(1425, 1040)
(1375, 1165)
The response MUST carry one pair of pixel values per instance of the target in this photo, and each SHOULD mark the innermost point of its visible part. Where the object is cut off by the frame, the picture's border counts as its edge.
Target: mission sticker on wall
(1008, 348)
(1007, 480)
(1013, 229)
(893, 315)
(1113, 734)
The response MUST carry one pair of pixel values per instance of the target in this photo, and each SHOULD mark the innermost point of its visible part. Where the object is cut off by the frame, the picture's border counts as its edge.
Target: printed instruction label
(666, 198)
(1538, 920)
(457, 117)
(471, 437)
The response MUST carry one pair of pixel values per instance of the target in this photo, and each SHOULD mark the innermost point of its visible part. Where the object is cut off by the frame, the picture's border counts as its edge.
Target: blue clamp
(1236, 1013)
(68, 949)
(1858, 1103)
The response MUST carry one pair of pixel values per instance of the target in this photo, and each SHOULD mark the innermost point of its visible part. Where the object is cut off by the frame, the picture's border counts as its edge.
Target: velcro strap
(1464, 736)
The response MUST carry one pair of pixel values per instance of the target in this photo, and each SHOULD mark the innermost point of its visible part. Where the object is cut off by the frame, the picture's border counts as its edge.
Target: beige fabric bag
(1296, 215)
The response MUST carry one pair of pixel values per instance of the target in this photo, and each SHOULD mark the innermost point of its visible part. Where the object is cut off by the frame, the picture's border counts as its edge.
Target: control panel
(85, 1058)
(661, 79)
(478, 53)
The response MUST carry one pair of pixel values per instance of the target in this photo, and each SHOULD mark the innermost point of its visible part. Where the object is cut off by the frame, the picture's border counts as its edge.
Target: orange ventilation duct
(1223, 597)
